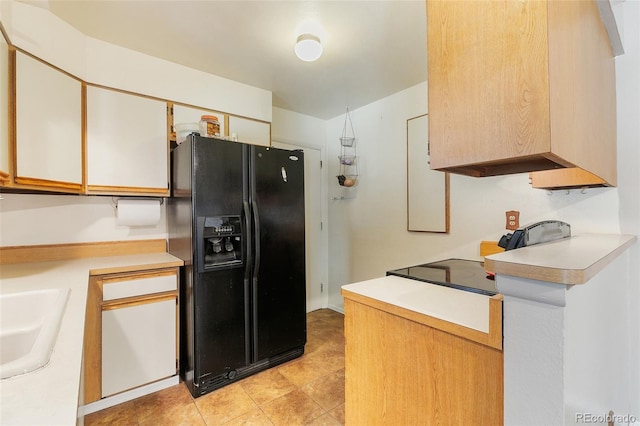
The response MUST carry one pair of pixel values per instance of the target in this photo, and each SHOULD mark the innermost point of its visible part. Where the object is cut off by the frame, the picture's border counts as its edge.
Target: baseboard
(110, 401)
(336, 308)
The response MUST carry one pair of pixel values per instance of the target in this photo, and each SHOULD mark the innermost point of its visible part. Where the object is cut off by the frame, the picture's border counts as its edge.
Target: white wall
(298, 129)
(30, 219)
(628, 108)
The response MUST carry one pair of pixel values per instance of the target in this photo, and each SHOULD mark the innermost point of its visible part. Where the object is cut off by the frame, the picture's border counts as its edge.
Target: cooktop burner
(468, 275)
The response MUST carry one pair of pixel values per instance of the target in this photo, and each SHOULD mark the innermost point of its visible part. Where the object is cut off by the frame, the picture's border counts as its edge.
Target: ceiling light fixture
(308, 47)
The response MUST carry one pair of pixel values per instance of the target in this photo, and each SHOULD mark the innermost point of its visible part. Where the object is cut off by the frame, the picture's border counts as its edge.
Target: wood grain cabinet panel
(401, 372)
(521, 86)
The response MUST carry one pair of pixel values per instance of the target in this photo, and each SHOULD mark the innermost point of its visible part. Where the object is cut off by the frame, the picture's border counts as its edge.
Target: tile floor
(306, 391)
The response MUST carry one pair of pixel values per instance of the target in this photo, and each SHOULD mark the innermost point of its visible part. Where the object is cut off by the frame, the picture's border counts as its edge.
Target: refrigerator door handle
(247, 283)
(256, 227)
(254, 285)
(247, 238)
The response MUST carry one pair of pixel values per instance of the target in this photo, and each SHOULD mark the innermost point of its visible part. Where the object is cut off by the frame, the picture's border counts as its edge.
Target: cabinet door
(4, 112)
(250, 131)
(184, 114)
(127, 149)
(138, 345)
(488, 82)
(48, 126)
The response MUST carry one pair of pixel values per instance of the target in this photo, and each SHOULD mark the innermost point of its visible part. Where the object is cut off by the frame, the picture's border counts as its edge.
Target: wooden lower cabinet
(401, 372)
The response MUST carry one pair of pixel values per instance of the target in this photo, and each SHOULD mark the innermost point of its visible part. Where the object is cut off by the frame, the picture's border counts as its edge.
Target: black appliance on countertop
(236, 217)
(467, 275)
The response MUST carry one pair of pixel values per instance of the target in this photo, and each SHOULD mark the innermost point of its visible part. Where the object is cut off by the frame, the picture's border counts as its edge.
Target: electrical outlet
(513, 220)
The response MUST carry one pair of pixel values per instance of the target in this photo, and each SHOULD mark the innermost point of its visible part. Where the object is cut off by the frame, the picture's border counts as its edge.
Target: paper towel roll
(138, 212)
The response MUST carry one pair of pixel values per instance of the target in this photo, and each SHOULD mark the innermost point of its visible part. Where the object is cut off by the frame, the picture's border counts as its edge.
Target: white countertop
(50, 395)
(459, 307)
(572, 260)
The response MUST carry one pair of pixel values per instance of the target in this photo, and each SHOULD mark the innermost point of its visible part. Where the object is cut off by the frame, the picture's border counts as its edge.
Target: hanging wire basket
(346, 139)
(347, 180)
(347, 160)
(348, 176)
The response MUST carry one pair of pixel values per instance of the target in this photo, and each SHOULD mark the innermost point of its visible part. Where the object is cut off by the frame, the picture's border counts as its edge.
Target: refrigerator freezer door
(279, 308)
(220, 342)
(221, 297)
(219, 177)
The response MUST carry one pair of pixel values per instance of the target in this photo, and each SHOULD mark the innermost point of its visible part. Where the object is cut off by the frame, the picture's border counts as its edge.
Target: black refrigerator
(236, 218)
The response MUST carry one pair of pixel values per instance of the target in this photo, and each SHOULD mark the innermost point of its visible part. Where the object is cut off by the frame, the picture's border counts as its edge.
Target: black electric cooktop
(468, 275)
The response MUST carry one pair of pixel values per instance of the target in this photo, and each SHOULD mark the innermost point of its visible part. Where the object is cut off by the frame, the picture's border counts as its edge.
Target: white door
(313, 225)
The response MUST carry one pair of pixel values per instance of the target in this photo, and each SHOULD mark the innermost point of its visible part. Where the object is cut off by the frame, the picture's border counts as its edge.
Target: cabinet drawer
(130, 286)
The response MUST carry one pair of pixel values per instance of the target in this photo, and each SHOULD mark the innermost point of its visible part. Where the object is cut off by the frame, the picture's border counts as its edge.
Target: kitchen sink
(29, 324)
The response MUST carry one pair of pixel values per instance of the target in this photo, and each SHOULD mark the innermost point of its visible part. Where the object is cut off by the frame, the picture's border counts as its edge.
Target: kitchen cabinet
(48, 127)
(250, 131)
(522, 87)
(131, 333)
(127, 149)
(184, 114)
(5, 174)
(406, 367)
(246, 130)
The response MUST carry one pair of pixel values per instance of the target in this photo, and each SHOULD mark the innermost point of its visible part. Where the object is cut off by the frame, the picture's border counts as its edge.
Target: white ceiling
(371, 48)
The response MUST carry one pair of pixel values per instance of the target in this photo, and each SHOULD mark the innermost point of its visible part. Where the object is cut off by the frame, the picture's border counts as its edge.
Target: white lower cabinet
(138, 345)
(131, 331)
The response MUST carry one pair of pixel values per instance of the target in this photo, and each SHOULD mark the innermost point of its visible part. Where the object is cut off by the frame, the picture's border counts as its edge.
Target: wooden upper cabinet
(127, 151)
(522, 87)
(48, 125)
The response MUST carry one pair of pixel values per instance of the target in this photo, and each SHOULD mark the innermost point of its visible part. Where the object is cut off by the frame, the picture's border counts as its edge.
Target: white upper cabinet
(48, 127)
(245, 130)
(127, 150)
(250, 131)
(4, 112)
(184, 115)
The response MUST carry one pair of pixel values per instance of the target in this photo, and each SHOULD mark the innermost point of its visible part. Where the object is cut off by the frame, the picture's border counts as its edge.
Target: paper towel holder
(114, 200)
(136, 212)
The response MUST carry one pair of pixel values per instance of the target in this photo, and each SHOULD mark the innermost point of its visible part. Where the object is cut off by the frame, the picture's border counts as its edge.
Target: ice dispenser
(220, 242)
